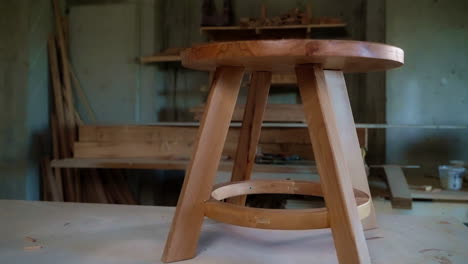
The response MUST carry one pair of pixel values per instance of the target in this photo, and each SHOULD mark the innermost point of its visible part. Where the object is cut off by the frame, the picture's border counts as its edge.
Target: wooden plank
(66, 30)
(52, 191)
(257, 99)
(319, 107)
(343, 115)
(442, 195)
(171, 54)
(400, 193)
(159, 58)
(69, 108)
(58, 103)
(135, 133)
(302, 125)
(66, 80)
(62, 139)
(82, 95)
(121, 163)
(163, 141)
(179, 164)
(186, 133)
(273, 113)
(56, 155)
(153, 149)
(186, 226)
(168, 164)
(215, 28)
(283, 142)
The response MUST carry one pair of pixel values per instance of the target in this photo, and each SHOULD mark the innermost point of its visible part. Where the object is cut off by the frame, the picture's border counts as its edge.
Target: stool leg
(335, 177)
(337, 88)
(257, 99)
(186, 225)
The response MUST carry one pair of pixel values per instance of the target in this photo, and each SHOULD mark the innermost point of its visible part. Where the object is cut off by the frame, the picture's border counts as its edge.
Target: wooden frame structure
(328, 115)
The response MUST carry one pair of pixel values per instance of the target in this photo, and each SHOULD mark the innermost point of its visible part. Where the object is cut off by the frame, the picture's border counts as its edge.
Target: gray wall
(107, 36)
(432, 87)
(106, 39)
(24, 81)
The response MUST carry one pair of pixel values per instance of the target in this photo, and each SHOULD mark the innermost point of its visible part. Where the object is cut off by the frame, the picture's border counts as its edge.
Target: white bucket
(460, 163)
(451, 177)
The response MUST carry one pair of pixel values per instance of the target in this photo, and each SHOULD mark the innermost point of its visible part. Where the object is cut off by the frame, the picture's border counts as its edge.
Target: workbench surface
(91, 233)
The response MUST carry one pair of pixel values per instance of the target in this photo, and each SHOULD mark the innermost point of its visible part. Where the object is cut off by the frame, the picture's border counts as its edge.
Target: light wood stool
(319, 66)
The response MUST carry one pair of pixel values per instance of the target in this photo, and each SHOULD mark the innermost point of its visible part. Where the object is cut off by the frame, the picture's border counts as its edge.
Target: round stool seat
(284, 55)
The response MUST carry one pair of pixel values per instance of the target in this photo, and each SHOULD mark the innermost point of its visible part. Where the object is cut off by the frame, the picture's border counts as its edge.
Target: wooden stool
(319, 66)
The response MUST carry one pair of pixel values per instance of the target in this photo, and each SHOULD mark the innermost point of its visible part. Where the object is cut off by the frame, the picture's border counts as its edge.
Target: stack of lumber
(72, 185)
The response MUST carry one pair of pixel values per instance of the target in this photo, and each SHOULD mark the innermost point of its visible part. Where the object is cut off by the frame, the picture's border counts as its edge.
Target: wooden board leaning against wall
(176, 142)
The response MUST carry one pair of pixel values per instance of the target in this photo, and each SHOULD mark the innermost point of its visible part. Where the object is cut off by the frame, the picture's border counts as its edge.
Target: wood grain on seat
(285, 55)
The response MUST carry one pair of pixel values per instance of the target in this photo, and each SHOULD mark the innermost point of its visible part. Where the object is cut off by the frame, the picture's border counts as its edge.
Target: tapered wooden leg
(186, 225)
(320, 113)
(349, 140)
(257, 99)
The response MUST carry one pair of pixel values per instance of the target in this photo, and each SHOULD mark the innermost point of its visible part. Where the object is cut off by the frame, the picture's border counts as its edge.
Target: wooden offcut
(400, 193)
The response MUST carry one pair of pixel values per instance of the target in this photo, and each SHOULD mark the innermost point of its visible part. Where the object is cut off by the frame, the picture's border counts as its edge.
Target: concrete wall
(106, 40)
(107, 36)
(24, 84)
(432, 88)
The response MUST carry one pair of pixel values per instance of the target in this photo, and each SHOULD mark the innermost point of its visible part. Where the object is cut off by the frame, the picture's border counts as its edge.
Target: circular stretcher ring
(280, 219)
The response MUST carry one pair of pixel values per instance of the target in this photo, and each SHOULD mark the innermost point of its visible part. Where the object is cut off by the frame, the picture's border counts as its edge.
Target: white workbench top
(90, 233)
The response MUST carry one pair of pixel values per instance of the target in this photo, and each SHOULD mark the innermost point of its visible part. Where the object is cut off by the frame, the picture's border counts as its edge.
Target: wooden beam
(400, 193)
